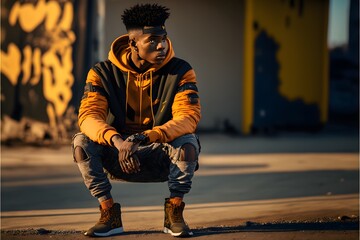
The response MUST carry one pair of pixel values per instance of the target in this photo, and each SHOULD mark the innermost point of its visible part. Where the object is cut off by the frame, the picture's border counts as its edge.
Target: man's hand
(130, 165)
(129, 162)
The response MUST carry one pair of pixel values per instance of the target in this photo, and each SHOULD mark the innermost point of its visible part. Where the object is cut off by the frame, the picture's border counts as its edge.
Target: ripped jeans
(159, 162)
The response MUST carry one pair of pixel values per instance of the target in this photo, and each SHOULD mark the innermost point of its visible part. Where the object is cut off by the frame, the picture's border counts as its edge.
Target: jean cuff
(176, 194)
(104, 197)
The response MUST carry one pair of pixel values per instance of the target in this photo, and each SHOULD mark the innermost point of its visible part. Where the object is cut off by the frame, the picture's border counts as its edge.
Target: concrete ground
(288, 186)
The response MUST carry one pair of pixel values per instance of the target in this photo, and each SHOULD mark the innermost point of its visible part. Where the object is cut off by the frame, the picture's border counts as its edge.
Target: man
(137, 118)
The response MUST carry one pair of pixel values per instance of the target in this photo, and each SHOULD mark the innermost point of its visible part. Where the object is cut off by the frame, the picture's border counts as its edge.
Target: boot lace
(105, 216)
(177, 216)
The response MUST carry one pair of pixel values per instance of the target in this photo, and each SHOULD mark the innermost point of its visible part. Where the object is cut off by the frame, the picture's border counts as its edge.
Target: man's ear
(132, 43)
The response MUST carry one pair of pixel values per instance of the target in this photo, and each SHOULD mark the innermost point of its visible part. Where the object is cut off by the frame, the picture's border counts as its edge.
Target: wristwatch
(138, 138)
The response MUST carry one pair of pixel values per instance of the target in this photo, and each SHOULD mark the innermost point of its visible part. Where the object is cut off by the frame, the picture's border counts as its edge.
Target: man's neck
(137, 64)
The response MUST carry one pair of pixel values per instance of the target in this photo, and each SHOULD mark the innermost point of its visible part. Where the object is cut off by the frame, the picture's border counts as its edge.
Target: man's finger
(123, 167)
(126, 154)
(135, 162)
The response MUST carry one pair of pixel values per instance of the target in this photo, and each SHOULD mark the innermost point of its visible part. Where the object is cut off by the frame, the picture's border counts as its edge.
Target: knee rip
(80, 155)
(188, 153)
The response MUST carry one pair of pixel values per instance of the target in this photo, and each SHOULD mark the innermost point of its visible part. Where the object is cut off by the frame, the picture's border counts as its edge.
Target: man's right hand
(128, 161)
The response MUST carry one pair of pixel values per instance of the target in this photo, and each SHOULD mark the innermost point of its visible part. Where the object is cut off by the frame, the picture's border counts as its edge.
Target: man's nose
(161, 45)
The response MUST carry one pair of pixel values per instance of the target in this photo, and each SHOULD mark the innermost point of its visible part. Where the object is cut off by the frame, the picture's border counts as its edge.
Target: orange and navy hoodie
(162, 102)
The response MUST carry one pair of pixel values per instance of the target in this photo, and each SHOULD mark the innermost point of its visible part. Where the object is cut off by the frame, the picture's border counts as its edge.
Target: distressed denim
(159, 162)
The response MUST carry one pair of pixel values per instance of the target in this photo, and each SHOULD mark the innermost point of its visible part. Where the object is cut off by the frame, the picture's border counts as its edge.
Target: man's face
(152, 48)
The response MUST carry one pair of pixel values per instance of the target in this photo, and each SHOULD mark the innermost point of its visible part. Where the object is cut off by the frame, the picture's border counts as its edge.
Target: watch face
(138, 137)
(141, 137)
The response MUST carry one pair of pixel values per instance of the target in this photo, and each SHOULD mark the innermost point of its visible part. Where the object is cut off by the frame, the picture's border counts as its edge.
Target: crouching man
(138, 118)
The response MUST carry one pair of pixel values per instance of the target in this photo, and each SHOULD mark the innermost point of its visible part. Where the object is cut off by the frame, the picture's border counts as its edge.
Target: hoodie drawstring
(151, 98)
(127, 92)
(141, 92)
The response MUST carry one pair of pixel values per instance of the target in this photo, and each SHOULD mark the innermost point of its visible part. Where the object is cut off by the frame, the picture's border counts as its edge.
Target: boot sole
(114, 231)
(180, 234)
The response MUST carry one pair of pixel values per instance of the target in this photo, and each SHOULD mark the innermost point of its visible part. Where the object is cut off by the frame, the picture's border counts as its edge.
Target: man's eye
(152, 41)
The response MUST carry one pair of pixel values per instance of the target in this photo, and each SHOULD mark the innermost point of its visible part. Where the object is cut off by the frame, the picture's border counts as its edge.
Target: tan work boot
(109, 223)
(174, 223)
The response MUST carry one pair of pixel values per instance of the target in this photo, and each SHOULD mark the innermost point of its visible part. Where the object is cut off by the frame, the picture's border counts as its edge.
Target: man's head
(147, 34)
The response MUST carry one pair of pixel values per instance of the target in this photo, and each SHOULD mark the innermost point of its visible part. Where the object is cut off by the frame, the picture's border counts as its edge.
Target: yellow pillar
(325, 80)
(301, 32)
(248, 82)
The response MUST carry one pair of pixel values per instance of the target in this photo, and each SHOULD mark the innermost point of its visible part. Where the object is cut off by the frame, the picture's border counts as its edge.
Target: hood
(120, 53)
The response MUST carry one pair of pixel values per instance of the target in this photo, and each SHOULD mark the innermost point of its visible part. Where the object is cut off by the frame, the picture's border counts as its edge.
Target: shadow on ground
(288, 226)
(281, 227)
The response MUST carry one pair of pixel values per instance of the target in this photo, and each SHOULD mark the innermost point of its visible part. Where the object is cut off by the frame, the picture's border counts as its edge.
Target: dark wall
(43, 52)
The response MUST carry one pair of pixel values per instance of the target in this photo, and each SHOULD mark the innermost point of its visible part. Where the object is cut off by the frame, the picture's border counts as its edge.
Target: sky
(338, 22)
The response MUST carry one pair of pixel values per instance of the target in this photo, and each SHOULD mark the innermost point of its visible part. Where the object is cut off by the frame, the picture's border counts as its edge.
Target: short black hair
(142, 15)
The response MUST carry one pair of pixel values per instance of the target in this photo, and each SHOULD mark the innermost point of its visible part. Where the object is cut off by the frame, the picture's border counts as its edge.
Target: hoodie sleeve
(93, 113)
(186, 113)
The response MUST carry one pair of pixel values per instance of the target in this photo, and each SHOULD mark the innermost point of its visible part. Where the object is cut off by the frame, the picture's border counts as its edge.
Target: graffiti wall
(37, 70)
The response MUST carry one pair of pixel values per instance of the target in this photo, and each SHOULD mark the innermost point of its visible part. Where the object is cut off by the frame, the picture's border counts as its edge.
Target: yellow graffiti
(29, 16)
(27, 51)
(10, 63)
(67, 18)
(36, 67)
(59, 91)
(52, 13)
(32, 59)
(53, 63)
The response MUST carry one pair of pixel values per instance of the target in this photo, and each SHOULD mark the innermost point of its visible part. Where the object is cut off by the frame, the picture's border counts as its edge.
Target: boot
(174, 223)
(109, 223)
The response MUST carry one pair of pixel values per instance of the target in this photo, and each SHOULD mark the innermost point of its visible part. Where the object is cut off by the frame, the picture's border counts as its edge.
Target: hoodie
(140, 110)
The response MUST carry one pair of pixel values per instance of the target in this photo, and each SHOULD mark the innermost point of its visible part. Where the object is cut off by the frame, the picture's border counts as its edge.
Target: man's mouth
(160, 56)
